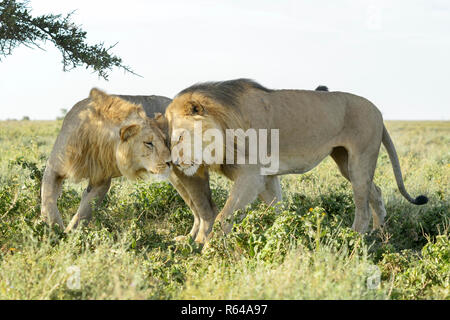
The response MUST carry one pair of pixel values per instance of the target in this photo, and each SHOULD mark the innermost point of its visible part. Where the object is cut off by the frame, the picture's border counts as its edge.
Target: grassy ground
(305, 250)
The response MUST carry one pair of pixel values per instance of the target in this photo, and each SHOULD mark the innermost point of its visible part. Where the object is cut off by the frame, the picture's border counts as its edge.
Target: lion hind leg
(340, 156)
(50, 192)
(361, 168)
(94, 193)
(377, 204)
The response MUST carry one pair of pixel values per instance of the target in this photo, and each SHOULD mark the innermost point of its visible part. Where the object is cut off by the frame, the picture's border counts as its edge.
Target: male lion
(311, 124)
(105, 136)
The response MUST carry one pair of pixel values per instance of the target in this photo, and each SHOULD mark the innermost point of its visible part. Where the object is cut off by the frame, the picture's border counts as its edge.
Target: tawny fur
(311, 124)
(90, 149)
(103, 137)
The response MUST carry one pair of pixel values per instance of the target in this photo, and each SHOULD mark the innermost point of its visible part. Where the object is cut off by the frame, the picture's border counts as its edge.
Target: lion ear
(196, 109)
(129, 131)
(161, 122)
(98, 96)
(100, 100)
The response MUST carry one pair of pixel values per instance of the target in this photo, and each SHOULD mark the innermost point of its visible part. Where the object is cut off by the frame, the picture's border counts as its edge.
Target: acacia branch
(18, 27)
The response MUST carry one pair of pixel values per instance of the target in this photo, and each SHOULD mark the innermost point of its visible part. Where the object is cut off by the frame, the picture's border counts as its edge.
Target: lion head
(202, 109)
(115, 138)
(142, 150)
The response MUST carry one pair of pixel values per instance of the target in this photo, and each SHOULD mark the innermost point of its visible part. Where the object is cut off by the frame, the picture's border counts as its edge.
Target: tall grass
(303, 250)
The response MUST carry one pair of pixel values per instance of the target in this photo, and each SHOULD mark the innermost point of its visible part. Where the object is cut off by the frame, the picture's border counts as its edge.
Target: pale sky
(395, 53)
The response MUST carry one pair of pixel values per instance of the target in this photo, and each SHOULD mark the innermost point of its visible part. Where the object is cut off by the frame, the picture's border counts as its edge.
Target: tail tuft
(420, 200)
(322, 88)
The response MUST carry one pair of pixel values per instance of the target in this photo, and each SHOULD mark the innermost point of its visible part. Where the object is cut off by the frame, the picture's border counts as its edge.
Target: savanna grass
(303, 249)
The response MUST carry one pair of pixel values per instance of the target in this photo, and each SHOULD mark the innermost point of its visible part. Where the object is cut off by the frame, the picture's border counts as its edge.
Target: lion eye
(149, 144)
(195, 109)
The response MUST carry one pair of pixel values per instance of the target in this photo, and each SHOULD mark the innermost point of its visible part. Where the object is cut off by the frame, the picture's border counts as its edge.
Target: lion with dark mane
(312, 125)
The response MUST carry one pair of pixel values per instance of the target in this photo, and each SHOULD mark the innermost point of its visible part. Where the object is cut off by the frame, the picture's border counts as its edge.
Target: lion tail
(389, 145)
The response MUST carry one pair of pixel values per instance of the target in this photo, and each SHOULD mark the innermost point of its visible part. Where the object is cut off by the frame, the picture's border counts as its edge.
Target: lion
(201, 203)
(312, 125)
(105, 136)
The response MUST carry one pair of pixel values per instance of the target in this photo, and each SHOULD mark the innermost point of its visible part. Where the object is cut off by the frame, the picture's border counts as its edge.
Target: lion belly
(300, 164)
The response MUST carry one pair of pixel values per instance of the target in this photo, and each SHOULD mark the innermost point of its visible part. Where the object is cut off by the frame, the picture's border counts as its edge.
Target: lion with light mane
(312, 125)
(101, 138)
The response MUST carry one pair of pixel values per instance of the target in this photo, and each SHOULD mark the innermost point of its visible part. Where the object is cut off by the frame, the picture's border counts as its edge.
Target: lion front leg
(244, 191)
(272, 193)
(50, 191)
(178, 185)
(207, 212)
(92, 193)
(196, 193)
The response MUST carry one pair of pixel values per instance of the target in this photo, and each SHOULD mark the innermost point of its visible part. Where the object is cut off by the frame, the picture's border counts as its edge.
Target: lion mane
(91, 146)
(221, 100)
(104, 137)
